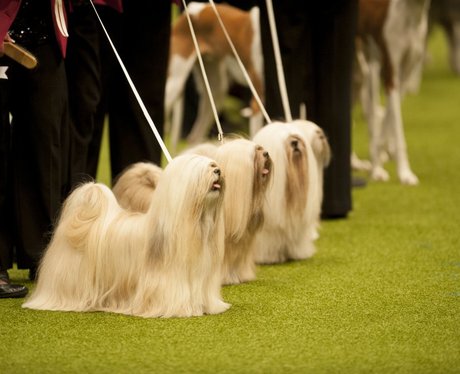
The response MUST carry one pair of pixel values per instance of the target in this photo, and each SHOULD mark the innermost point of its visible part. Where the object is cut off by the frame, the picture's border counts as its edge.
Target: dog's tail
(69, 268)
(83, 214)
(135, 186)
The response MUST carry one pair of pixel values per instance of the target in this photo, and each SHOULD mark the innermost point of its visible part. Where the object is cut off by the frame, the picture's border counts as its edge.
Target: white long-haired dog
(164, 263)
(247, 167)
(293, 203)
(321, 149)
(134, 186)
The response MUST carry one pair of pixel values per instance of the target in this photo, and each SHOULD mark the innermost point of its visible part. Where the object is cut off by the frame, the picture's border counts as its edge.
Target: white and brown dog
(163, 263)
(293, 204)
(390, 44)
(219, 62)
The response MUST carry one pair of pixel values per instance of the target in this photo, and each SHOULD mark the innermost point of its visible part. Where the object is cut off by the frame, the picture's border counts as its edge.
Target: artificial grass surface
(382, 295)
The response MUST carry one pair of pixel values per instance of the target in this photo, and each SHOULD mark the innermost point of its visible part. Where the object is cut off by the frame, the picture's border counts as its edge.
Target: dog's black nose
(217, 171)
(294, 143)
(266, 155)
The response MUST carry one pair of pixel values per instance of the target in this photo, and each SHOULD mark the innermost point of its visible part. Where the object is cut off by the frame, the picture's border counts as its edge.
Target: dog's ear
(326, 153)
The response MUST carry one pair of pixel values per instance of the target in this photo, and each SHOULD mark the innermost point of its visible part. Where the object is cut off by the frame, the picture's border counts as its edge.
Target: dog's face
(189, 184)
(216, 183)
(317, 138)
(262, 169)
(297, 172)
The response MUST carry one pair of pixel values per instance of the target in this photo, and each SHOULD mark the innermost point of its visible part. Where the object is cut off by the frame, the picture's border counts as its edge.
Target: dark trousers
(317, 46)
(6, 208)
(37, 171)
(84, 71)
(141, 35)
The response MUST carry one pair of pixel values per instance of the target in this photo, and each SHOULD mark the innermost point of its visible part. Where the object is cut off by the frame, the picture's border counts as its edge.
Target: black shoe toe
(12, 291)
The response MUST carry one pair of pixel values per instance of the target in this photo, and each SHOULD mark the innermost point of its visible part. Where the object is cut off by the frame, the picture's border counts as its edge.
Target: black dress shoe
(12, 291)
(8, 290)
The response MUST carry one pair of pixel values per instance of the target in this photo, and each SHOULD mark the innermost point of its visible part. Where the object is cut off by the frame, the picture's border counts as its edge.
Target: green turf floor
(382, 295)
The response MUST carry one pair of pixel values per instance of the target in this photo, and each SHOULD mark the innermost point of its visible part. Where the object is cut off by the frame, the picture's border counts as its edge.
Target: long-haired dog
(133, 188)
(321, 149)
(291, 209)
(163, 263)
(248, 169)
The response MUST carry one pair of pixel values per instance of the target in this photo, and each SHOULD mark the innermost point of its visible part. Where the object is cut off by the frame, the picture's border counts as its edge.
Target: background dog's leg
(218, 81)
(179, 70)
(256, 121)
(394, 119)
(370, 98)
(176, 122)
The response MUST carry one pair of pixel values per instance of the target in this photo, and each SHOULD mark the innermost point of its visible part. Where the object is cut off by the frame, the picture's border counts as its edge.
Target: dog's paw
(216, 307)
(380, 174)
(359, 164)
(247, 274)
(408, 177)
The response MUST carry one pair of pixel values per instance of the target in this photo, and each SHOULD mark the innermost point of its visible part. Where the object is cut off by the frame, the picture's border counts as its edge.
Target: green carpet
(382, 295)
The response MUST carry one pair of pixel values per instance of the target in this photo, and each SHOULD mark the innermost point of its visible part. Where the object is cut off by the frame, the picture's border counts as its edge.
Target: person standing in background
(85, 67)
(36, 146)
(317, 48)
(141, 35)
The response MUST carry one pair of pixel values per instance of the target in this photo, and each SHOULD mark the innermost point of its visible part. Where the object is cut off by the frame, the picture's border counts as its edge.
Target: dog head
(318, 140)
(248, 170)
(291, 171)
(189, 185)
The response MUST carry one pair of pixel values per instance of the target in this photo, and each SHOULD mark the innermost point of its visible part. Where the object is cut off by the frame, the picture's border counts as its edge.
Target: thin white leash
(220, 135)
(133, 87)
(278, 61)
(240, 63)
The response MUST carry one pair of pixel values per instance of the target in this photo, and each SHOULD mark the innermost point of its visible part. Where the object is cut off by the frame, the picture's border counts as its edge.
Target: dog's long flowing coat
(164, 263)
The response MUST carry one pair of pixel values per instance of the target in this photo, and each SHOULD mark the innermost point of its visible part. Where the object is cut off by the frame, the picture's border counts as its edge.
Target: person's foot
(8, 290)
